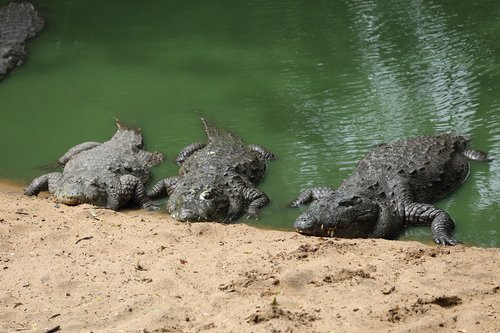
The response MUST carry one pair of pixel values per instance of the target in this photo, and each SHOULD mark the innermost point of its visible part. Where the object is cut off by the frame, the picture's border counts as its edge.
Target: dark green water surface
(317, 82)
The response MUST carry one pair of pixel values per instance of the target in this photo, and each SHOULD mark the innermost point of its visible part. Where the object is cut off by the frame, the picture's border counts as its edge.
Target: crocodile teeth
(322, 226)
(331, 233)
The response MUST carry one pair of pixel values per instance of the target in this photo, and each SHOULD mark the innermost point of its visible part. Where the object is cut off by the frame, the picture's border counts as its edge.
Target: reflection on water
(425, 73)
(318, 84)
(486, 206)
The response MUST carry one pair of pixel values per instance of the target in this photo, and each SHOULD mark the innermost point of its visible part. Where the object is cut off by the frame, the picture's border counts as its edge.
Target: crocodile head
(199, 203)
(80, 190)
(339, 215)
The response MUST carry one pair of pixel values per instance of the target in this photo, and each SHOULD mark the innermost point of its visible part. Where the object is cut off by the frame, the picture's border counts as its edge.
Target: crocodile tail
(130, 134)
(214, 132)
(121, 126)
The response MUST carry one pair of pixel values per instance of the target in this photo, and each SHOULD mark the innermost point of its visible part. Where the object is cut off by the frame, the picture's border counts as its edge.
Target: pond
(319, 83)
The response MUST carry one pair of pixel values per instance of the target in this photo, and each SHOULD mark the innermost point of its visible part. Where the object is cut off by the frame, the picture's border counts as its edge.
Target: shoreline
(11, 186)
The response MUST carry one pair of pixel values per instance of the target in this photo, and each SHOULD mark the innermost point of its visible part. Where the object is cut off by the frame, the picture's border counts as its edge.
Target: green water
(319, 83)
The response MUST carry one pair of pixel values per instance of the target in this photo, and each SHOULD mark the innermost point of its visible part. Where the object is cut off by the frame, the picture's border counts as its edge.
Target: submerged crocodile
(393, 186)
(108, 174)
(216, 181)
(19, 21)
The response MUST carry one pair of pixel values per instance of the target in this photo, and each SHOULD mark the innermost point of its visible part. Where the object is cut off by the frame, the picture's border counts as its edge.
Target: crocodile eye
(350, 201)
(206, 195)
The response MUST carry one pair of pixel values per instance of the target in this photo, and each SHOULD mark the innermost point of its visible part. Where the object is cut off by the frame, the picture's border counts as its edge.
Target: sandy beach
(85, 269)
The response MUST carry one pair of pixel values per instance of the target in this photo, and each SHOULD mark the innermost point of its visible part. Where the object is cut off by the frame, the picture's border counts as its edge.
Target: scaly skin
(19, 21)
(393, 186)
(108, 174)
(216, 180)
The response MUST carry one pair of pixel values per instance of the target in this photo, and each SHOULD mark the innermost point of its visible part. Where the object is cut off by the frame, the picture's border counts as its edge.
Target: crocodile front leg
(441, 223)
(188, 151)
(163, 188)
(311, 194)
(43, 183)
(77, 150)
(263, 152)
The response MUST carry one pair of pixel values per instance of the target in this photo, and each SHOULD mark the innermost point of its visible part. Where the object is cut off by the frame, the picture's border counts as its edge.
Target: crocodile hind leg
(263, 152)
(311, 194)
(441, 223)
(188, 151)
(256, 200)
(43, 183)
(162, 188)
(475, 155)
(77, 150)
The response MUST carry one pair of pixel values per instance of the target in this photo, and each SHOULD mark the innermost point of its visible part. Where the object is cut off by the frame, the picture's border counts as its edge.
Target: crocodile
(108, 174)
(216, 180)
(393, 186)
(19, 21)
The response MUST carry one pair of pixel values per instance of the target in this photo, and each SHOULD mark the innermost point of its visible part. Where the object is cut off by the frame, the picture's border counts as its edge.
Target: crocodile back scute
(425, 168)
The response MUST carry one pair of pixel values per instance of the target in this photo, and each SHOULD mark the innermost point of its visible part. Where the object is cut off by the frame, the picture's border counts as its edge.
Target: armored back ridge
(108, 174)
(216, 180)
(19, 21)
(393, 186)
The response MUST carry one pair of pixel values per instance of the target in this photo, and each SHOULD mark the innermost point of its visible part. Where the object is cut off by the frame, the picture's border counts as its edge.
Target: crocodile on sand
(393, 186)
(216, 181)
(108, 174)
(19, 21)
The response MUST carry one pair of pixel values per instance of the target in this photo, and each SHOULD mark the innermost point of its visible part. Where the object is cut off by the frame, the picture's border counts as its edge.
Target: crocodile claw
(252, 215)
(446, 240)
